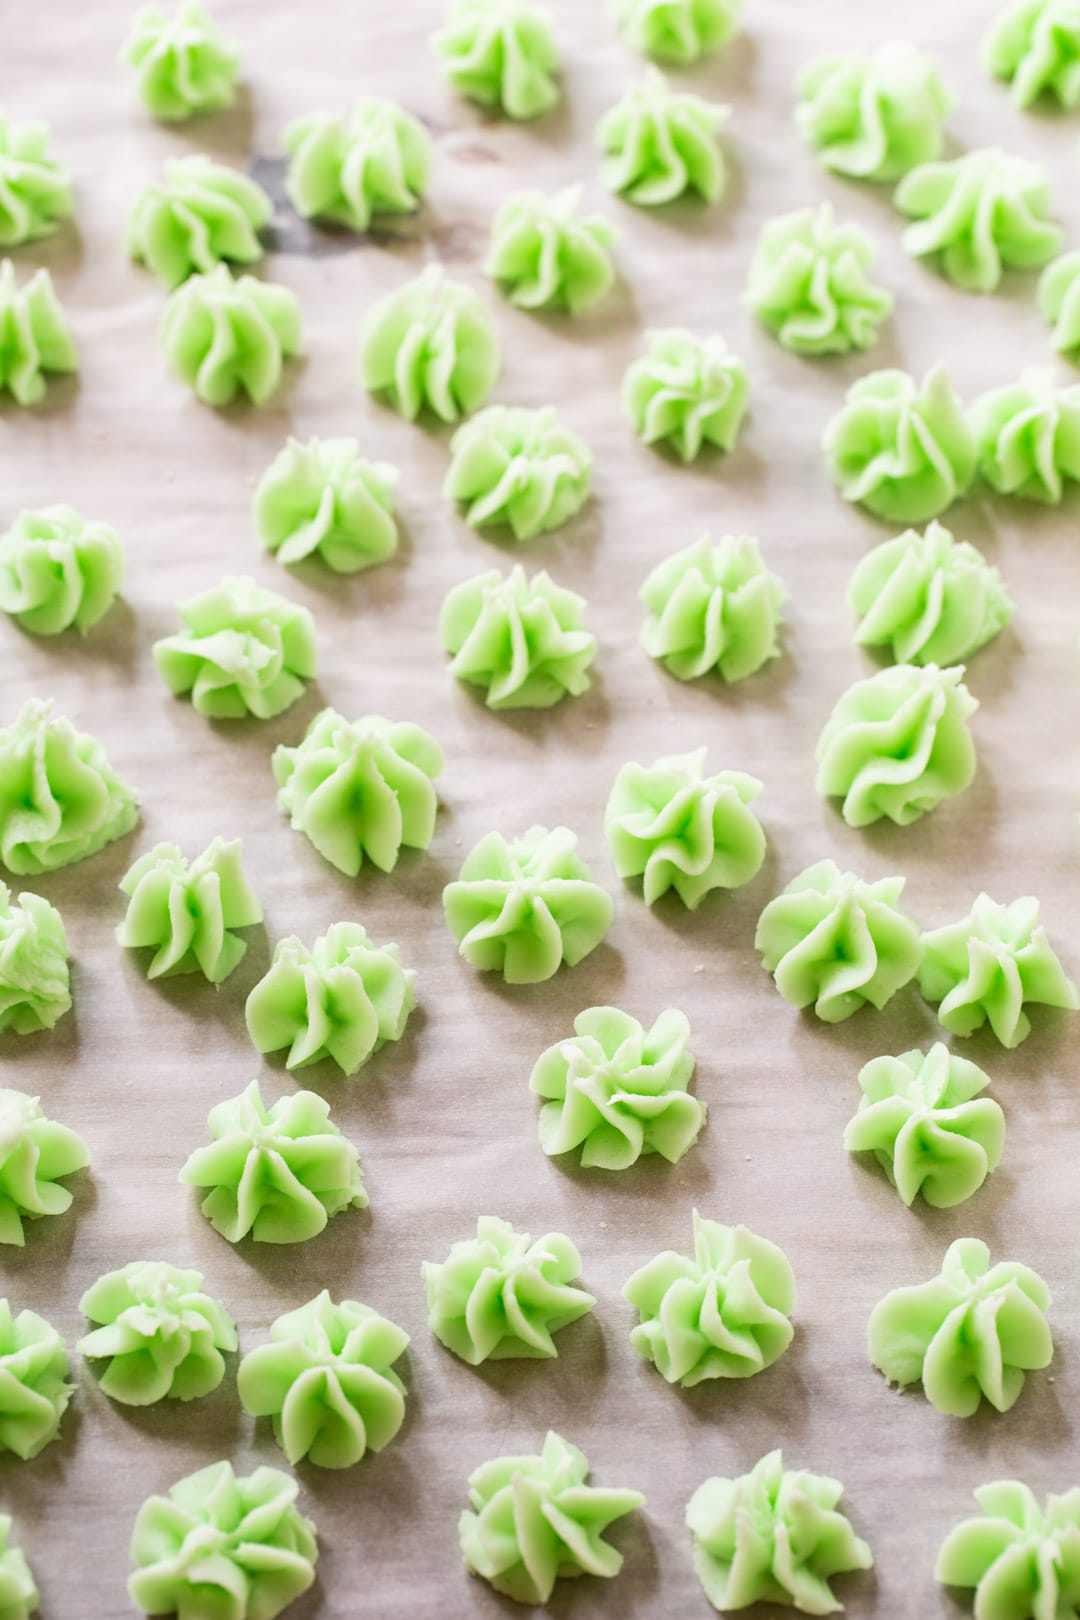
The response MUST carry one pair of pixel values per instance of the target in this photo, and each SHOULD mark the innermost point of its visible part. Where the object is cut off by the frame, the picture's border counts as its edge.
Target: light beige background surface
(444, 1120)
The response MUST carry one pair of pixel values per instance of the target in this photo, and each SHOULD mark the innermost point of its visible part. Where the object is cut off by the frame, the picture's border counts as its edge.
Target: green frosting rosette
(1022, 1560)
(970, 1333)
(524, 906)
(347, 167)
(988, 968)
(921, 1116)
(832, 941)
(808, 284)
(34, 335)
(35, 195)
(534, 1520)
(162, 1336)
(546, 255)
(500, 54)
(617, 1091)
(873, 116)
(328, 1382)
(678, 31)
(60, 799)
(686, 392)
(275, 1174)
(34, 1391)
(898, 744)
(183, 64)
(1028, 437)
(1034, 45)
(904, 450)
(980, 214)
(19, 1596)
(1059, 301)
(342, 999)
(323, 499)
(34, 980)
(217, 1544)
(430, 346)
(243, 650)
(186, 911)
(520, 639)
(660, 143)
(226, 335)
(774, 1535)
(361, 789)
(519, 468)
(676, 827)
(500, 1296)
(36, 1155)
(58, 572)
(199, 215)
(928, 598)
(713, 606)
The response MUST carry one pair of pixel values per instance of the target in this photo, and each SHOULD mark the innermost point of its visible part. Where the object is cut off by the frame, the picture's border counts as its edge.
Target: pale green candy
(873, 115)
(35, 195)
(34, 1391)
(521, 639)
(430, 346)
(922, 1118)
(1034, 45)
(518, 467)
(342, 999)
(970, 1333)
(903, 449)
(988, 968)
(361, 789)
(243, 650)
(60, 799)
(1059, 301)
(713, 606)
(183, 64)
(34, 335)
(238, 1548)
(323, 499)
(686, 392)
(1028, 437)
(34, 981)
(160, 1333)
(980, 215)
(57, 571)
(832, 941)
(545, 255)
(723, 1314)
(373, 159)
(660, 143)
(676, 827)
(500, 1296)
(808, 284)
(199, 215)
(524, 906)
(327, 1381)
(19, 1596)
(618, 1091)
(927, 598)
(535, 1520)
(500, 54)
(275, 1174)
(1021, 1559)
(679, 31)
(774, 1535)
(186, 911)
(36, 1154)
(897, 744)
(226, 335)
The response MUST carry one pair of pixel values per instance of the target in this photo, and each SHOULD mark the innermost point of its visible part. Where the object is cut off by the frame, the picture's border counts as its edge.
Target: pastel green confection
(677, 827)
(835, 942)
(183, 64)
(897, 744)
(524, 906)
(1059, 301)
(34, 335)
(327, 1380)
(686, 392)
(57, 571)
(36, 1155)
(520, 639)
(243, 650)
(1028, 437)
(970, 1333)
(980, 215)
(186, 911)
(225, 335)
(902, 449)
(160, 1333)
(275, 1174)
(1034, 45)
(323, 499)
(808, 284)
(713, 606)
(500, 1296)
(547, 255)
(35, 195)
(501, 54)
(1022, 1560)
(873, 115)
(534, 1520)
(679, 31)
(200, 214)
(661, 143)
(34, 1391)
(60, 799)
(342, 999)
(988, 968)
(347, 167)
(518, 467)
(921, 1116)
(430, 345)
(361, 789)
(34, 981)
(928, 598)
(774, 1535)
(19, 1596)
(235, 1548)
